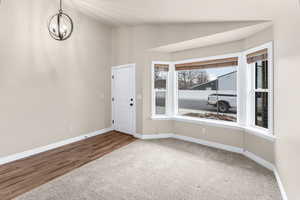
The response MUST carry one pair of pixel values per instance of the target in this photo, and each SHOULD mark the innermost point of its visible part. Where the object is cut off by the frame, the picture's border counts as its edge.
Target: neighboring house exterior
(211, 85)
(226, 82)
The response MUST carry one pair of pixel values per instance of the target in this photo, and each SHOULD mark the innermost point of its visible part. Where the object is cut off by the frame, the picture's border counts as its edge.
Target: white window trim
(175, 86)
(251, 91)
(168, 92)
(244, 122)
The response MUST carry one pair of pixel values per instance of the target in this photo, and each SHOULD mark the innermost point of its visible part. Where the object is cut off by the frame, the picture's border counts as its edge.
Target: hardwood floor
(24, 175)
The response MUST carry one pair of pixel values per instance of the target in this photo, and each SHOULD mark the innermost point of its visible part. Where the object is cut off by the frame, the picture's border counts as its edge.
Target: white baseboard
(189, 139)
(280, 185)
(259, 160)
(38, 150)
(154, 136)
(209, 144)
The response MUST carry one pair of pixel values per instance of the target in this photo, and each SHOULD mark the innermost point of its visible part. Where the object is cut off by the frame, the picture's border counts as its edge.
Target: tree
(190, 78)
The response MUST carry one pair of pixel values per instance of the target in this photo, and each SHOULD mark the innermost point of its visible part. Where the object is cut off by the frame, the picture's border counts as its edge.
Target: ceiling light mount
(60, 25)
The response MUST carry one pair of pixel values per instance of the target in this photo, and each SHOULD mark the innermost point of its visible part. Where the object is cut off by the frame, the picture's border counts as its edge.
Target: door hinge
(112, 99)
(112, 76)
(113, 121)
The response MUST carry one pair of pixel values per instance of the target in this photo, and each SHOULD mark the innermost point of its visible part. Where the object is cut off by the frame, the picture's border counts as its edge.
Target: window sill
(210, 122)
(232, 125)
(161, 117)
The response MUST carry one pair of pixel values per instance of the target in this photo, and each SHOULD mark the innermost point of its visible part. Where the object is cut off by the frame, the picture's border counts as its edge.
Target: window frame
(175, 86)
(153, 91)
(251, 70)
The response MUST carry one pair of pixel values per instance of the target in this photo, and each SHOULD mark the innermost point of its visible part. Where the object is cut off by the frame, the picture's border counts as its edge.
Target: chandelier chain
(60, 5)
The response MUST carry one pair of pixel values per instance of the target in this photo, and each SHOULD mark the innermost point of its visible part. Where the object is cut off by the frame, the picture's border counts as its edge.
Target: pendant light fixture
(60, 25)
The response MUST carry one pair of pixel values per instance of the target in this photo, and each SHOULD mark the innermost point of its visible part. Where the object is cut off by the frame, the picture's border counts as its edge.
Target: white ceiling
(218, 38)
(132, 12)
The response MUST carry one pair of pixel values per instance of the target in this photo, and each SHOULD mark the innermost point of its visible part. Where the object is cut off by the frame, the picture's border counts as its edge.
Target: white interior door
(123, 98)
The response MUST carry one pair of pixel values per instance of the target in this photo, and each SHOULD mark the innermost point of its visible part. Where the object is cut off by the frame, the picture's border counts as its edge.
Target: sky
(213, 73)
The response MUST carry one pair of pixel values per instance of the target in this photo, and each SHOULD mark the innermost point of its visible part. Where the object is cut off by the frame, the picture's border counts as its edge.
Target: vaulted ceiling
(132, 12)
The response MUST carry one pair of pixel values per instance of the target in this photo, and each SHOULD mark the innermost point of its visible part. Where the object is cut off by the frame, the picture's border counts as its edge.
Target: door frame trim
(130, 65)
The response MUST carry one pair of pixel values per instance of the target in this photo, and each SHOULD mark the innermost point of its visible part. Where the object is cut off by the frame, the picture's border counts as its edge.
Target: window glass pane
(160, 77)
(161, 72)
(208, 93)
(261, 109)
(261, 75)
(160, 102)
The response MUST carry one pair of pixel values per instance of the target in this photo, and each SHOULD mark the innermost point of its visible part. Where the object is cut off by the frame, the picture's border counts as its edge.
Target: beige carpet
(163, 170)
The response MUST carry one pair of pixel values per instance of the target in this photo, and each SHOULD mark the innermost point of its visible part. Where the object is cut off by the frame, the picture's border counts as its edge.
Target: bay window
(233, 89)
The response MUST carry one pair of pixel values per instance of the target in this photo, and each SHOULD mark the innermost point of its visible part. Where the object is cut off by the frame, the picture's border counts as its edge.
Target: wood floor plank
(26, 174)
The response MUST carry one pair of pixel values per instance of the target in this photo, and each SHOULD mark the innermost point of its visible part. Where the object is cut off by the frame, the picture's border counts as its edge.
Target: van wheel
(223, 107)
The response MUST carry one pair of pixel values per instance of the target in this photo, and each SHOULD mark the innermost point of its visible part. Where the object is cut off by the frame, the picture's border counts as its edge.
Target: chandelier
(60, 25)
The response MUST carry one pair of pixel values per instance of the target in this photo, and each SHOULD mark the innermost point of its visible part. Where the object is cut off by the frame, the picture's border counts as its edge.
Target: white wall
(287, 62)
(50, 90)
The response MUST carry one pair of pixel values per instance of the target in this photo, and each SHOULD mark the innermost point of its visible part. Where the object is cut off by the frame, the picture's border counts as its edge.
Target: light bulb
(63, 30)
